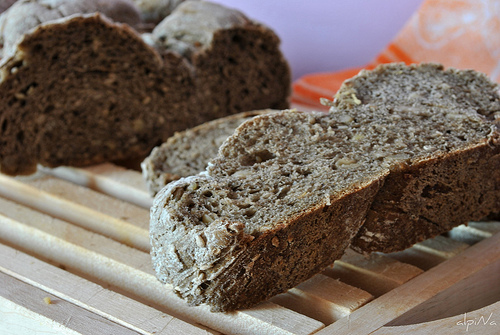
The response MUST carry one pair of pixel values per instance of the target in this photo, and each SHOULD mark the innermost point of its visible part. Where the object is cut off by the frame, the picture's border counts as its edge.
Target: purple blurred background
(324, 36)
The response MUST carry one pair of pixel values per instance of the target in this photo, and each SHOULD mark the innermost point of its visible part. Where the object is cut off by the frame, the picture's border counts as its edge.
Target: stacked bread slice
(188, 152)
(405, 153)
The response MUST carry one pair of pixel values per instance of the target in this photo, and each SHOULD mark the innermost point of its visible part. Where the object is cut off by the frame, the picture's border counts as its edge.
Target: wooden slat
(109, 179)
(442, 246)
(94, 248)
(484, 321)
(375, 273)
(482, 257)
(85, 294)
(75, 235)
(58, 207)
(323, 299)
(91, 199)
(65, 315)
(144, 286)
(429, 253)
(477, 290)
(16, 319)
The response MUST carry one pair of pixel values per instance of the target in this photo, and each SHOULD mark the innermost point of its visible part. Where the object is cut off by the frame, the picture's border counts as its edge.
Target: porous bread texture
(188, 152)
(433, 195)
(82, 89)
(289, 191)
(91, 103)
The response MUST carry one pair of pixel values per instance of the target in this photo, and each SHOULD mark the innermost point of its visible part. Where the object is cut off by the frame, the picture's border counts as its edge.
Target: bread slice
(79, 87)
(289, 191)
(458, 177)
(188, 152)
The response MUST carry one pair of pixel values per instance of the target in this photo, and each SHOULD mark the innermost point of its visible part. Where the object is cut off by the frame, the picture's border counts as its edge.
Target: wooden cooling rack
(74, 259)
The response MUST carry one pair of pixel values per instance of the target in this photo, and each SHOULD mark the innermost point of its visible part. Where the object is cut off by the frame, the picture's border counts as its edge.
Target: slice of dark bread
(188, 152)
(84, 89)
(445, 188)
(289, 191)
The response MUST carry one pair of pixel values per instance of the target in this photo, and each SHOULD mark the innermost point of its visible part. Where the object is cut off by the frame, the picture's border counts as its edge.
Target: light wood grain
(483, 256)
(16, 320)
(429, 253)
(117, 229)
(323, 298)
(72, 234)
(81, 220)
(376, 273)
(484, 321)
(267, 318)
(109, 179)
(93, 200)
(72, 288)
(64, 314)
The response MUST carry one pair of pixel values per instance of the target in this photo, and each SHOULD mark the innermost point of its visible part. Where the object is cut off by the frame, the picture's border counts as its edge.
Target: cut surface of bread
(289, 191)
(188, 152)
(447, 186)
(78, 88)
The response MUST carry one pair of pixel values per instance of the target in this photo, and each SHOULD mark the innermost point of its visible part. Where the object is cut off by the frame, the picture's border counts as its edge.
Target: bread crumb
(47, 300)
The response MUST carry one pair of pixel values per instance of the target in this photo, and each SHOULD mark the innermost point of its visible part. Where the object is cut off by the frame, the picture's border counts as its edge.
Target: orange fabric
(464, 34)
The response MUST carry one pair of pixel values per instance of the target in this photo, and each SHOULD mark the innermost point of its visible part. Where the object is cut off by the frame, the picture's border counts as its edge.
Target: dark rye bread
(289, 191)
(237, 62)
(84, 89)
(188, 152)
(430, 196)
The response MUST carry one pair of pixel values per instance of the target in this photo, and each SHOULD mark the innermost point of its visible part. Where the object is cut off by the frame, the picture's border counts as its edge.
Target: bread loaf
(80, 88)
(290, 191)
(187, 152)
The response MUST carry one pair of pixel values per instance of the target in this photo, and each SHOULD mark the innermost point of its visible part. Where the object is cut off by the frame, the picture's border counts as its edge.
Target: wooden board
(78, 239)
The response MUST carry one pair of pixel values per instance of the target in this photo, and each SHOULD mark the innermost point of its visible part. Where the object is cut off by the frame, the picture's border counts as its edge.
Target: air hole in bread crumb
(205, 285)
(20, 136)
(250, 212)
(283, 192)
(263, 156)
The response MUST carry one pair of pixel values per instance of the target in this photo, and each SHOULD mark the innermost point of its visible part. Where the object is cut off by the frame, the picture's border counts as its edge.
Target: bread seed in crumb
(204, 267)
(200, 241)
